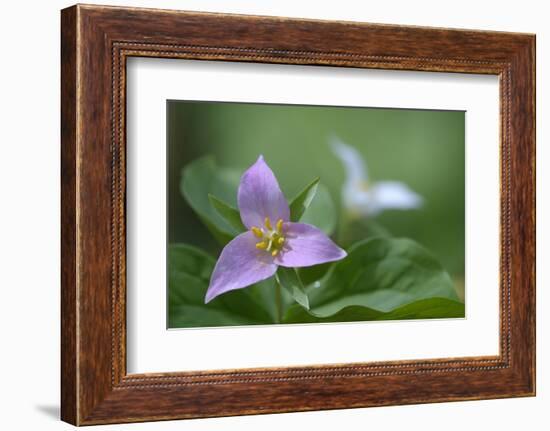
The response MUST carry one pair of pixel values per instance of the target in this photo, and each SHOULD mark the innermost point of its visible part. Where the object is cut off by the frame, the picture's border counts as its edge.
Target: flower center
(271, 240)
(363, 185)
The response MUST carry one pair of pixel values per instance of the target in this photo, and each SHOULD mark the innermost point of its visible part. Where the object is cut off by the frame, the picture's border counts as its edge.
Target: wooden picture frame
(96, 41)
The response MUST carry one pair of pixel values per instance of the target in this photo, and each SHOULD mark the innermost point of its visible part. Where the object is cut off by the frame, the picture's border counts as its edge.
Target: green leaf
(353, 228)
(201, 178)
(290, 281)
(423, 309)
(230, 214)
(382, 274)
(189, 271)
(380, 279)
(321, 211)
(311, 274)
(302, 201)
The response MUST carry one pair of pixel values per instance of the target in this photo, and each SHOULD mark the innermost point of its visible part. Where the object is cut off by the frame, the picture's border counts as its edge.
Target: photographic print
(291, 214)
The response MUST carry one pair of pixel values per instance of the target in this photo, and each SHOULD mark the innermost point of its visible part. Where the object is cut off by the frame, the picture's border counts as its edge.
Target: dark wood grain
(68, 218)
(96, 41)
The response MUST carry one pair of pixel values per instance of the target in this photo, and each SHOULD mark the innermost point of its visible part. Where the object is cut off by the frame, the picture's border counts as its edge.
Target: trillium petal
(356, 197)
(260, 196)
(306, 245)
(392, 195)
(240, 264)
(354, 165)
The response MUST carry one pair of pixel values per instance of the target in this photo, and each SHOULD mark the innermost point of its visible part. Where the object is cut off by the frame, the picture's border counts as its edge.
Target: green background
(423, 148)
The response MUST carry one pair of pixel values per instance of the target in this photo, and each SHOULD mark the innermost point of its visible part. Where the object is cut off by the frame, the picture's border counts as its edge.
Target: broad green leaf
(353, 228)
(423, 309)
(380, 279)
(290, 281)
(230, 214)
(301, 202)
(189, 271)
(321, 211)
(201, 178)
(311, 274)
(383, 274)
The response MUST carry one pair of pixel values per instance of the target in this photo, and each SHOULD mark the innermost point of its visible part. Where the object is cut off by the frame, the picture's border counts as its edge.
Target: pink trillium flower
(271, 240)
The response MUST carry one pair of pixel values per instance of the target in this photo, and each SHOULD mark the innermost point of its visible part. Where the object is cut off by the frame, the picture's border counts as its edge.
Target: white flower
(363, 199)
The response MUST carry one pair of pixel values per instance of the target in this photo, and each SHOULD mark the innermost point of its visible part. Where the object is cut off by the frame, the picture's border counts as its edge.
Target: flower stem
(278, 300)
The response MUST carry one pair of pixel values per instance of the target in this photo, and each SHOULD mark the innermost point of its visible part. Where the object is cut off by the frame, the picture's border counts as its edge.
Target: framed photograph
(266, 215)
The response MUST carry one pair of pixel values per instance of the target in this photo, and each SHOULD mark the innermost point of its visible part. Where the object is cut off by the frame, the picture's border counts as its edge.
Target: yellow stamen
(271, 240)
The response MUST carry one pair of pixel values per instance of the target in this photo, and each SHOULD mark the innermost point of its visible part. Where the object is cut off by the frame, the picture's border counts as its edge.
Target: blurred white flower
(362, 198)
